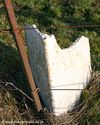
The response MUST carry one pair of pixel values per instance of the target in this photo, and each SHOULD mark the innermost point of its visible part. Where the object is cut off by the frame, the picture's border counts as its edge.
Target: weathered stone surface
(55, 69)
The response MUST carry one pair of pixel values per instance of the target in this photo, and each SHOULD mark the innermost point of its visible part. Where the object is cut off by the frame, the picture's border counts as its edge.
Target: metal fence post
(20, 45)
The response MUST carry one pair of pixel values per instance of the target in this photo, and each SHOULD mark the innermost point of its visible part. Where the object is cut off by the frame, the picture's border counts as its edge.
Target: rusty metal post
(20, 45)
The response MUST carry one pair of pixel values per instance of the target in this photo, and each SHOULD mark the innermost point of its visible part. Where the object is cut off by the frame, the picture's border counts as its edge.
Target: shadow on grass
(11, 70)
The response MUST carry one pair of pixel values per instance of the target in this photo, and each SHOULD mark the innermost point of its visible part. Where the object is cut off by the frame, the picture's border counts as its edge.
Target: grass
(86, 113)
(15, 106)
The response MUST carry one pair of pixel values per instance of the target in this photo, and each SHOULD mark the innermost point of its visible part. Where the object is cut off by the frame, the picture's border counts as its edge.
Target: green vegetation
(49, 15)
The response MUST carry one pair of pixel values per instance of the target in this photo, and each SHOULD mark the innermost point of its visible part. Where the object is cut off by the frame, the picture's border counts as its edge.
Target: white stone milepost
(56, 70)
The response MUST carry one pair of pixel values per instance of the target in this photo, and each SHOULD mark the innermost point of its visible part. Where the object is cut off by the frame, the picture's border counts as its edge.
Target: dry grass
(87, 113)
